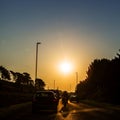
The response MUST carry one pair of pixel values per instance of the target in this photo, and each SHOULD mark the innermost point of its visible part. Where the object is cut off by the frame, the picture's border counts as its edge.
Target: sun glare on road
(65, 67)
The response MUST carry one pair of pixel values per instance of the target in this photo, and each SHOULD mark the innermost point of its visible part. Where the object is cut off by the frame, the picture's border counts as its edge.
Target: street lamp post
(54, 84)
(36, 59)
(76, 78)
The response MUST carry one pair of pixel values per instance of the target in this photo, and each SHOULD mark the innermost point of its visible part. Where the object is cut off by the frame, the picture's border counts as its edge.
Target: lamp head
(38, 42)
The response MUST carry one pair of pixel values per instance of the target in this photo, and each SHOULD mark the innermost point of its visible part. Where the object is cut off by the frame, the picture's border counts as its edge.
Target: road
(73, 111)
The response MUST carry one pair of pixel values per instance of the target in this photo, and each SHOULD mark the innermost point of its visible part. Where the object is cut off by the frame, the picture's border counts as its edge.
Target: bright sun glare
(65, 67)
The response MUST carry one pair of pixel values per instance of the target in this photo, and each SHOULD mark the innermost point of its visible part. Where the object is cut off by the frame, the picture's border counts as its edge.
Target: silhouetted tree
(14, 75)
(19, 78)
(39, 84)
(81, 89)
(22, 81)
(5, 75)
(31, 82)
(102, 82)
(26, 78)
(118, 55)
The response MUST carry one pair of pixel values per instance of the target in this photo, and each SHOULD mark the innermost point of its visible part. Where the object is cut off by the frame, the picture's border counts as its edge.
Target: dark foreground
(73, 111)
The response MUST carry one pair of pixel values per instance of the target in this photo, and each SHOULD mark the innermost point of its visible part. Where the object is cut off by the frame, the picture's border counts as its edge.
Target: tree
(39, 84)
(102, 82)
(31, 82)
(5, 75)
(26, 78)
(14, 75)
(19, 78)
(118, 55)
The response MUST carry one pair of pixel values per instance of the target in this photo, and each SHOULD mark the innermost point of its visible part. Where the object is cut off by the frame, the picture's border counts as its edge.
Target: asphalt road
(73, 111)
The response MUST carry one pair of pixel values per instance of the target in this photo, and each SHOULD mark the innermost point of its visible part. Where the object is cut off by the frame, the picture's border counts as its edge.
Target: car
(44, 101)
(57, 93)
(73, 98)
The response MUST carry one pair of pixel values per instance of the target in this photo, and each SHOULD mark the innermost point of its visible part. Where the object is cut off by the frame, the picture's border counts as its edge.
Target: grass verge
(13, 109)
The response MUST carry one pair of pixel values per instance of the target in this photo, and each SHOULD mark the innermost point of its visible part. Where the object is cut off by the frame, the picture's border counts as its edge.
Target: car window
(44, 95)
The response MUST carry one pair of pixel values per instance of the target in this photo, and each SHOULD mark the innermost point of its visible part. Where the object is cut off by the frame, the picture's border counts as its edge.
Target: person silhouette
(65, 98)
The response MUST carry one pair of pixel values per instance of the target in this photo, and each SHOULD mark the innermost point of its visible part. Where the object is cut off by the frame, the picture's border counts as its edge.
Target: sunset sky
(74, 31)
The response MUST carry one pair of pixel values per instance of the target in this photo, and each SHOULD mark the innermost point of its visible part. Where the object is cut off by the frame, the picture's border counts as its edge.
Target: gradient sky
(77, 31)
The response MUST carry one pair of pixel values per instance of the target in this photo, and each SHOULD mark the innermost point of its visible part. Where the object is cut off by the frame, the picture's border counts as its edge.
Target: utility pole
(36, 59)
(76, 78)
(54, 84)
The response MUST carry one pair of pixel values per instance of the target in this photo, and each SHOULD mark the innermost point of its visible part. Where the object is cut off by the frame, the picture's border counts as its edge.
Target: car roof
(44, 92)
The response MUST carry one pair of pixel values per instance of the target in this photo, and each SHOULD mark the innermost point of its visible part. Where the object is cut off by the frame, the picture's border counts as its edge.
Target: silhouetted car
(57, 93)
(44, 101)
(73, 98)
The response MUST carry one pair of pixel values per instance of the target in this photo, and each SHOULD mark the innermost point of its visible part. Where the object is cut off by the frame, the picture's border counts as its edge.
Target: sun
(65, 67)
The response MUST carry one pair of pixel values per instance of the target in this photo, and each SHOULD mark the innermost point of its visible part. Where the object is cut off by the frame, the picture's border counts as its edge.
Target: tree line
(102, 82)
(21, 81)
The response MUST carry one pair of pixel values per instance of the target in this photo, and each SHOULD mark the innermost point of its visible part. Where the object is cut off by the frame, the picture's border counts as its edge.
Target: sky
(75, 31)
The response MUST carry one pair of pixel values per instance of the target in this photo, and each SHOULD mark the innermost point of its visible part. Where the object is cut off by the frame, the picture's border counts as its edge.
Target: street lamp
(36, 59)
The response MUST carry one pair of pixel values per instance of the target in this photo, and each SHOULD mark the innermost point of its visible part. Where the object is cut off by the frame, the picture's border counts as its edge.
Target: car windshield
(44, 95)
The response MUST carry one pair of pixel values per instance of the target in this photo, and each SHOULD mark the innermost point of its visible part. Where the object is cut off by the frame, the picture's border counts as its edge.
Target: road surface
(73, 111)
